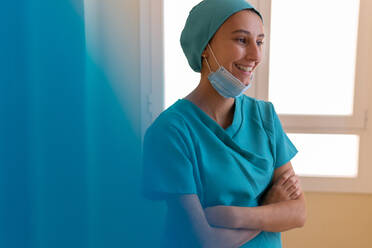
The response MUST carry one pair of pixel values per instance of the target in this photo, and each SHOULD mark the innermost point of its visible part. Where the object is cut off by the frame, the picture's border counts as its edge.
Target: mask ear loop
(213, 55)
(206, 60)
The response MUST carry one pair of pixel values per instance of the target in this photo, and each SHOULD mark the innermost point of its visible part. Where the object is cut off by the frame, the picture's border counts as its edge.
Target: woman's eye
(260, 43)
(241, 40)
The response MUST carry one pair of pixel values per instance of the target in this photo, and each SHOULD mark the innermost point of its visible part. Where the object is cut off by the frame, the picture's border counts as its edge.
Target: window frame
(152, 94)
(151, 61)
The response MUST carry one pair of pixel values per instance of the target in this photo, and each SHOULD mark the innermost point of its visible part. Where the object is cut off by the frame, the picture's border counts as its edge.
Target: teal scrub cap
(203, 22)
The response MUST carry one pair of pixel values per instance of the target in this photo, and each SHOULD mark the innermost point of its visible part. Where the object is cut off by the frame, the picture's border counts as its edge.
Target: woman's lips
(246, 70)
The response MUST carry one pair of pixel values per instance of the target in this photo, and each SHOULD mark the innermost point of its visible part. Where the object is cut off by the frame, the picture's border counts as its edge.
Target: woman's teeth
(244, 68)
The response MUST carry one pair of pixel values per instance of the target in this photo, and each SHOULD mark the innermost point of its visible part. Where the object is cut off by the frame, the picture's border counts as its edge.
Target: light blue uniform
(187, 152)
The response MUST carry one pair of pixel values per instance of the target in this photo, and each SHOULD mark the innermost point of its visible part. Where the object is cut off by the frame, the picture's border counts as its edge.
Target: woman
(220, 159)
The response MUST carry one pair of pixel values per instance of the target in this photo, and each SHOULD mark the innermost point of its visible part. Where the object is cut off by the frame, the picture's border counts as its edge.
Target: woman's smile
(246, 69)
(244, 73)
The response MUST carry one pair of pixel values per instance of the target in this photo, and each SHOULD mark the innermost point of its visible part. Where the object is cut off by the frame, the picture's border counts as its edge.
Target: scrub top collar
(231, 130)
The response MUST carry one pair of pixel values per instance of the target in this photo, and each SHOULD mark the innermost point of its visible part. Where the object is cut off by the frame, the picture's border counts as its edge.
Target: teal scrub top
(187, 152)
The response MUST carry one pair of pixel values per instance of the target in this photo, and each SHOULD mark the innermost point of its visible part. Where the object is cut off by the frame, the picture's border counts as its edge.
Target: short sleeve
(167, 168)
(284, 148)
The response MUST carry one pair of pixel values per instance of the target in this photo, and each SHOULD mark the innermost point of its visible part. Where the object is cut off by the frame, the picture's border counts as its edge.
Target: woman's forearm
(276, 217)
(187, 210)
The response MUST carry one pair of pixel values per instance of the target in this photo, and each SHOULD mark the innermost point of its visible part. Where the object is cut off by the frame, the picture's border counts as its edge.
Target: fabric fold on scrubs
(186, 152)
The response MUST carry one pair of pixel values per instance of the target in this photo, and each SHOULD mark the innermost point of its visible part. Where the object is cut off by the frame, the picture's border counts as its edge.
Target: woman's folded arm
(283, 207)
(275, 217)
(190, 211)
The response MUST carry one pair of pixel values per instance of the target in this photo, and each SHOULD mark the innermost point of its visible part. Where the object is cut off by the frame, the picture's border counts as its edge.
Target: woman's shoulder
(169, 120)
(266, 108)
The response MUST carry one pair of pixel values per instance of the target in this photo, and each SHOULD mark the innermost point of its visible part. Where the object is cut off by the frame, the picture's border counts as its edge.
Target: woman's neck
(219, 108)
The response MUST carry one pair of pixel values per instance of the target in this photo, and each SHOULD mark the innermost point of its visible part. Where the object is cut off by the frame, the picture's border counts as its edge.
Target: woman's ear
(205, 53)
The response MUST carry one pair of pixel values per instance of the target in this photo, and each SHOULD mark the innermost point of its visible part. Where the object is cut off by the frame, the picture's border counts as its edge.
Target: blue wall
(14, 134)
(69, 147)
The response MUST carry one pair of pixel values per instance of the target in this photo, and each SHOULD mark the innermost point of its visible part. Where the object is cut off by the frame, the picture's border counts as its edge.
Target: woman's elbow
(301, 221)
(302, 215)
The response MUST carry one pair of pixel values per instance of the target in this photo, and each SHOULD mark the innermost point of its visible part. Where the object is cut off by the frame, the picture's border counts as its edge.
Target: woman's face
(237, 45)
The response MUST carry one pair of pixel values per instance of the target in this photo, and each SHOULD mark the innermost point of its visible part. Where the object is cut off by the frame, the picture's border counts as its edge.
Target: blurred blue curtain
(68, 156)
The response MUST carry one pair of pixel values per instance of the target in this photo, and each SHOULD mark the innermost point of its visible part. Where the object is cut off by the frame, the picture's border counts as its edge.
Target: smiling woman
(220, 159)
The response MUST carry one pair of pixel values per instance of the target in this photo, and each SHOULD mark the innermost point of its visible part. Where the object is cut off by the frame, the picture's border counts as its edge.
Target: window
(319, 98)
(313, 56)
(176, 67)
(322, 79)
(327, 123)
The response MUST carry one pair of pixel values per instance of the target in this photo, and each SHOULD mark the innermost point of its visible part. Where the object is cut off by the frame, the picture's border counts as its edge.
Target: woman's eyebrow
(247, 33)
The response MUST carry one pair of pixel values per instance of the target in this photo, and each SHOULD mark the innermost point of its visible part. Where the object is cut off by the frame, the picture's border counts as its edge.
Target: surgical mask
(224, 82)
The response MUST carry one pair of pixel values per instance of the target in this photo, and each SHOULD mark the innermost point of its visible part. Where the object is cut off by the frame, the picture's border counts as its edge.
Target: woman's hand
(287, 187)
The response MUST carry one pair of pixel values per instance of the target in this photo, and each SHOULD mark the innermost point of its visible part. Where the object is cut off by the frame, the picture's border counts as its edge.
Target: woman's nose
(254, 52)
